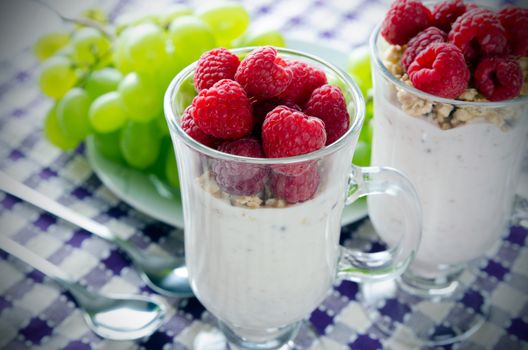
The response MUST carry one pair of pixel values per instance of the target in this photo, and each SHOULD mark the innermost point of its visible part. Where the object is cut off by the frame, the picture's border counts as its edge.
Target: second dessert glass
(259, 264)
(464, 159)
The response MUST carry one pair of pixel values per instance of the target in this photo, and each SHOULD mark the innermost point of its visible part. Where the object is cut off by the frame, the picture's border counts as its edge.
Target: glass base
(417, 311)
(272, 339)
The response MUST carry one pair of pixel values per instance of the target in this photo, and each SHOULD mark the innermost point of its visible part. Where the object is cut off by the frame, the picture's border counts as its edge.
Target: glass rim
(354, 129)
(378, 64)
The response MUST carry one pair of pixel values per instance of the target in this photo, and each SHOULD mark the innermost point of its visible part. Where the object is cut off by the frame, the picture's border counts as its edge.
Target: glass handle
(362, 266)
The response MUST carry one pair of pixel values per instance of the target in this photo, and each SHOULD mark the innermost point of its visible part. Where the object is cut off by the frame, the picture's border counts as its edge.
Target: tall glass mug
(259, 264)
(464, 159)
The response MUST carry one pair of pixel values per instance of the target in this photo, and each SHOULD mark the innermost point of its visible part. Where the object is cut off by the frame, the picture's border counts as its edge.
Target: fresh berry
(263, 74)
(446, 12)
(440, 70)
(420, 42)
(498, 78)
(515, 22)
(328, 104)
(213, 66)
(305, 79)
(295, 188)
(223, 111)
(281, 61)
(287, 133)
(239, 178)
(404, 20)
(262, 108)
(478, 33)
(189, 126)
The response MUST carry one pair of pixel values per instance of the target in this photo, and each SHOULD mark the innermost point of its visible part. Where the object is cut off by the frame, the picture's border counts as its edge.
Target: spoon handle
(32, 259)
(18, 189)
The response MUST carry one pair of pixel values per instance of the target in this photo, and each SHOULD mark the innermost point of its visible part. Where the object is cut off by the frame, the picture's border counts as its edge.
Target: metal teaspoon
(166, 275)
(116, 317)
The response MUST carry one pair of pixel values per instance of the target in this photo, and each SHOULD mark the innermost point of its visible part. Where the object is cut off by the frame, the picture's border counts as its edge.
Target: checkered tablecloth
(35, 313)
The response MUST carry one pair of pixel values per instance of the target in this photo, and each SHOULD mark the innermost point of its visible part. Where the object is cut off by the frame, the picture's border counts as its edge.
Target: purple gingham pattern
(35, 313)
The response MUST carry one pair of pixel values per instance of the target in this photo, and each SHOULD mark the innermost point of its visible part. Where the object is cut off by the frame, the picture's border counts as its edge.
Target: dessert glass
(260, 265)
(464, 159)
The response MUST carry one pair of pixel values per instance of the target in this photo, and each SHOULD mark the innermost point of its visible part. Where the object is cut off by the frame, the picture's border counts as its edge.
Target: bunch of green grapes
(108, 79)
(359, 68)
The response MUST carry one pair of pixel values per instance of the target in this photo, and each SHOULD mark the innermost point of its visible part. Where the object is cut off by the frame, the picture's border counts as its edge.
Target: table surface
(35, 313)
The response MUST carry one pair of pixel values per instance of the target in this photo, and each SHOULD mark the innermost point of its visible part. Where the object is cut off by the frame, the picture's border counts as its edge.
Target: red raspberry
(238, 178)
(287, 133)
(262, 108)
(305, 79)
(440, 70)
(498, 78)
(189, 126)
(446, 12)
(262, 73)
(223, 111)
(213, 66)
(295, 188)
(328, 104)
(420, 42)
(405, 19)
(478, 33)
(515, 22)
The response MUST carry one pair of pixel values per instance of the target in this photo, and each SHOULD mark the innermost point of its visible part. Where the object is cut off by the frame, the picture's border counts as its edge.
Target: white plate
(151, 197)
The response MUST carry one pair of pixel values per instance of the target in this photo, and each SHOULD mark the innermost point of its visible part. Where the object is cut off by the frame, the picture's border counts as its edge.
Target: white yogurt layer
(465, 177)
(267, 267)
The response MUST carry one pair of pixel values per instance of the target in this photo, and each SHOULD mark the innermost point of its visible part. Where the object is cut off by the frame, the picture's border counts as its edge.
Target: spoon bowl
(125, 318)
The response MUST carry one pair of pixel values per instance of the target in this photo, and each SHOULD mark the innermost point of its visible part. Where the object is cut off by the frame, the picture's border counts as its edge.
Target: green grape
(101, 81)
(90, 46)
(54, 133)
(57, 76)
(172, 12)
(369, 112)
(367, 131)
(361, 154)
(261, 38)
(190, 37)
(161, 123)
(107, 113)
(227, 19)
(370, 131)
(358, 67)
(107, 144)
(158, 168)
(120, 58)
(171, 169)
(47, 45)
(140, 144)
(145, 47)
(141, 97)
(72, 112)
(171, 67)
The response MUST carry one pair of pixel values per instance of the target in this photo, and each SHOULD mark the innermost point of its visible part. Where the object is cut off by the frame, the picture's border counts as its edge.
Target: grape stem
(82, 21)
(92, 67)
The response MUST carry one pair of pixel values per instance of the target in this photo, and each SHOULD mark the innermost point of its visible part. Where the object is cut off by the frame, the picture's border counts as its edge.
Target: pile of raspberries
(264, 106)
(458, 44)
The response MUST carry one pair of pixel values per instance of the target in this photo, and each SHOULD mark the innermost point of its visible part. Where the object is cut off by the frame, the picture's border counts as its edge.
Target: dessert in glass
(449, 113)
(264, 155)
